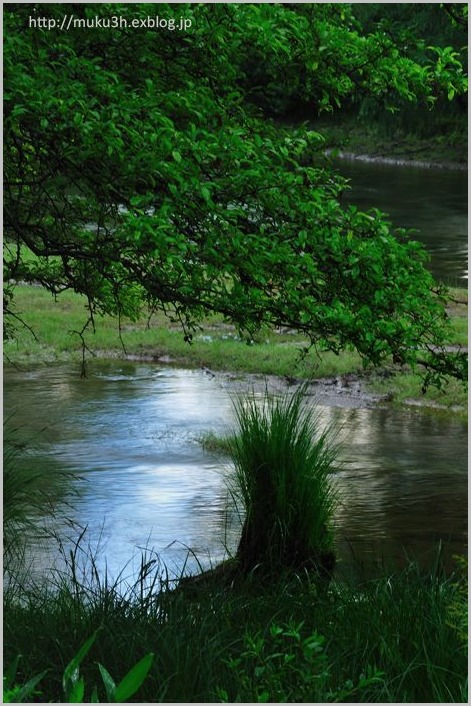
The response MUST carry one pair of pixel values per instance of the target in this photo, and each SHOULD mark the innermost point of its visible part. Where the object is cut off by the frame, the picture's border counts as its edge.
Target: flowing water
(432, 201)
(128, 437)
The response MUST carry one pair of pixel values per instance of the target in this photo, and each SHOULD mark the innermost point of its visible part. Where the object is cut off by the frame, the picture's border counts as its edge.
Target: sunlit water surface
(127, 437)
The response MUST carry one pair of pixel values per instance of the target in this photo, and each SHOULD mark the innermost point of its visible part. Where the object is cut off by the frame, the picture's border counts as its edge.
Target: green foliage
(73, 684)
(448, 72)
(31, 491)
(22, 495)
(282, 464)
(16, 485)
(213, 443)
(351, 53)
(406, 389)
(285, 666)
(16, 693)
(414, 28)
(458, 609)
(137, 170)
(130, 683)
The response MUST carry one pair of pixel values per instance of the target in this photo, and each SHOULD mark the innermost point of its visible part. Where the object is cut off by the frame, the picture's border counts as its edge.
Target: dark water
(130, 431)
(433, 201)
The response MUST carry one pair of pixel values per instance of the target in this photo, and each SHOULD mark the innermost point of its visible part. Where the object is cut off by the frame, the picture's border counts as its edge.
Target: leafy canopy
(139, 169)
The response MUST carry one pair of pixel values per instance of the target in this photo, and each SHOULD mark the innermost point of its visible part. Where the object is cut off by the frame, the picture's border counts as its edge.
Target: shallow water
(128, 437)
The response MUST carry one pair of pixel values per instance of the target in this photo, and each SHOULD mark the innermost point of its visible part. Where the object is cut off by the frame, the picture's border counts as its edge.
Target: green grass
(220, 445)
(405, 389)
(457, 310)
(216, 345)
(377, 140)
(26, 493)
(282, 462)
(391, 640)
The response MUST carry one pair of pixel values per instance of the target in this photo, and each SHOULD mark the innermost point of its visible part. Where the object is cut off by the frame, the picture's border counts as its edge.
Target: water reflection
(403, 484)
(130, 431)
(433, 201)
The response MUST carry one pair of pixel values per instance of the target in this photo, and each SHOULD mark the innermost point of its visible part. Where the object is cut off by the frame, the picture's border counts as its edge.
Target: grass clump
(213, 443)
(33, 492)
(282, 467)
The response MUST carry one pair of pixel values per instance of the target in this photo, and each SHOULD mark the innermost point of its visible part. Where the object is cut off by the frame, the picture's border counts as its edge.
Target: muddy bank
(348, 390)
(339, 391)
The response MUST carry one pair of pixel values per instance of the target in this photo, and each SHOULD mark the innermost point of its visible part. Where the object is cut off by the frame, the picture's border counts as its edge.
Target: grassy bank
(397, 639)
(367, 137)
(216, 346)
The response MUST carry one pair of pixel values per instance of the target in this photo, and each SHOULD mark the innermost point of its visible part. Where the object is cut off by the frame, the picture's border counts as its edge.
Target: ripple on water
(129, 433)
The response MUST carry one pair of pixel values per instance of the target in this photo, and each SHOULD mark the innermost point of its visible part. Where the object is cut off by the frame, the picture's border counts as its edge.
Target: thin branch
(120, 336)
(90, 320)
(18, 318)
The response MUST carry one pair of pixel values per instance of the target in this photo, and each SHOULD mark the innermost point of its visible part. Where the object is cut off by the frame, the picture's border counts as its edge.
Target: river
(127, 436)
(433, 202)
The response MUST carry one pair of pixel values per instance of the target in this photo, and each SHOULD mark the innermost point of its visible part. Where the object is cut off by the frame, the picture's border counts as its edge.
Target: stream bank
(395, 161)
(446, 149)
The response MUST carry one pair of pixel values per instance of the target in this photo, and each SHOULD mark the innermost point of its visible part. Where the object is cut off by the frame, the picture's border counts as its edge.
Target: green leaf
(28, 688)
(71, 672)
(10, 673)
(19, 110)
(133, 679)
(77, 692)
(109, 683)
(177, 156)
(263, 697)
(222, 695)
